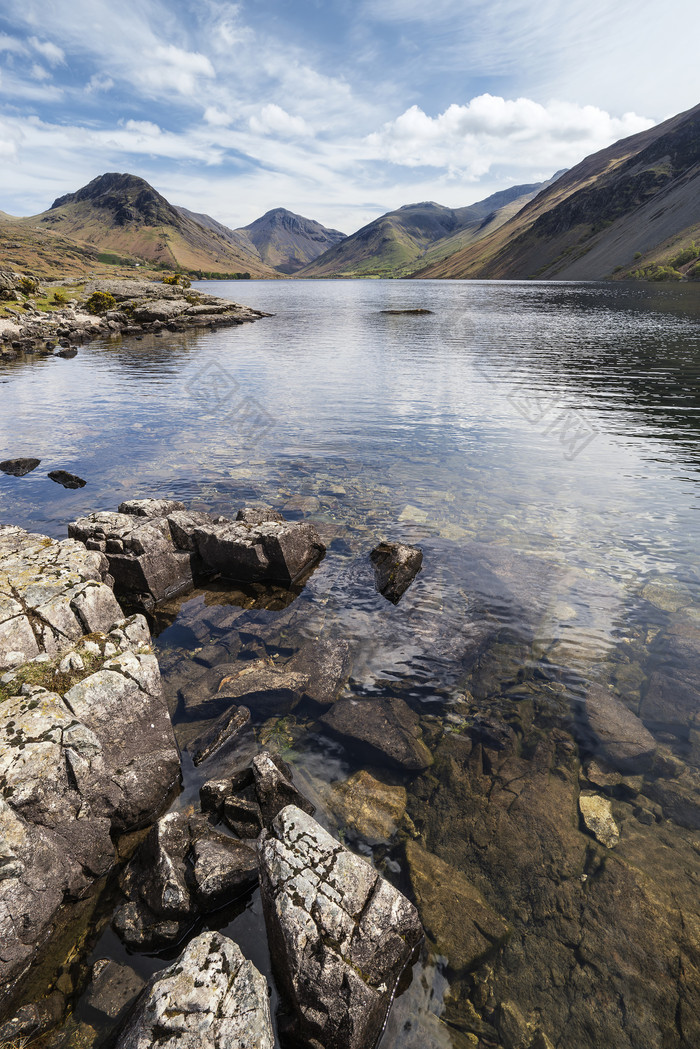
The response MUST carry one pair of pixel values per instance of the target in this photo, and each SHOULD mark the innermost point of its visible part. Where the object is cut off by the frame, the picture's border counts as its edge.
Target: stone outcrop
(340, 935)
(396, 565)
(19, 467)
(210, 998)
(250, 800)
(86, 745)
(51, 594)
(156, 549)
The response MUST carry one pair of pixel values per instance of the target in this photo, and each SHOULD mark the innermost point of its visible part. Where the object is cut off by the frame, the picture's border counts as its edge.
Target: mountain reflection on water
(540, 443)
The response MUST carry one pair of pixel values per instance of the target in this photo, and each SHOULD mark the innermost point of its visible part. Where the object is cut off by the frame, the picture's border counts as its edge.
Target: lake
(540, 443)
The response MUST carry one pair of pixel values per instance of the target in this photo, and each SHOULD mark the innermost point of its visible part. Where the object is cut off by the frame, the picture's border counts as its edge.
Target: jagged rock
(68, 480)
(396, 565)
(275, 551)
(142, 930)
(340, 935)
(387, 726)
(456, 917)
(274, 789)
(226, 729)
(368, 807)
(183, 524)
(624, 741)
(145, 563)
(597, 816)
(210, 998)
(326, 665)
(258, 514)
(19, 467)
(158, 874)
(258, 683)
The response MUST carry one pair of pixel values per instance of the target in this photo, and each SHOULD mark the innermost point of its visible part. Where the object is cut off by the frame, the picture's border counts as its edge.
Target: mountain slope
(287, 242)
(122, 214)
(395, 243)
(618, 204)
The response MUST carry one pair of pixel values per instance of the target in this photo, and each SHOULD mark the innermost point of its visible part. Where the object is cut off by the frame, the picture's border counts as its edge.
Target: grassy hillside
(617, 207)
(121, 217)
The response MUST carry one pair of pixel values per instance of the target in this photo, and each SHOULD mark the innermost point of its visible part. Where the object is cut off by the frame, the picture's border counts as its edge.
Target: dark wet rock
(158, 874)
(340, 935)
(142, 930)
(242, 813)
(67, 353)
(672, 699)
(388, 726)
(326, 665)
(225, 730)
(512, 1026)
(259, 684)
(223, 870)
(396, 565)
(410, 312)
(252, 797)
(210, 998)
(66, 479)
(112, 990)
(457, 919)
(31, 1021)
(275, 551)
(19, 467)
(625, 743)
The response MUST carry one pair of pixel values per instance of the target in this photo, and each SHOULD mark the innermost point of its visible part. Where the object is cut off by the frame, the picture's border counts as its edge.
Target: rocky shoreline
(134, 308)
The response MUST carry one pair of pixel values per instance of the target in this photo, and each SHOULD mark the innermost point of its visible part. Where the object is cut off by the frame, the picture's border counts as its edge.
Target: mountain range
(631, 210)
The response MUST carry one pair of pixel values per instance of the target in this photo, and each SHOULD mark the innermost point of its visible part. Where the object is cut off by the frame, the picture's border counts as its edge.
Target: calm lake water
(540, 443)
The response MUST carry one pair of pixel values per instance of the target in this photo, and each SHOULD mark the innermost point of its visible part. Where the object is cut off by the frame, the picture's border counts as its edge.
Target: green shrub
(694, 271)
(100, 302)
(685, 256)
(178, 279)
(59, 298)
(28, 285)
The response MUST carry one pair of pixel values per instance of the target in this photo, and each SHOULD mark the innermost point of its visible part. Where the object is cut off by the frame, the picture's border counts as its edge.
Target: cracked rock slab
(211, 998)
(340, 935)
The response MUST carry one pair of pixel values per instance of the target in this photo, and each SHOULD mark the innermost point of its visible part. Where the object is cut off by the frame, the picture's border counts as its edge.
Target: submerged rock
(388, 726)
(396, 565)
(367, 806)
(226, 729)
(19, 467)
(252, 798)
(458, 920)
(259, 683)
(597, 816)
(112, 990)
(326, 666)
(340, 935)
(624, 741)
(210, 998)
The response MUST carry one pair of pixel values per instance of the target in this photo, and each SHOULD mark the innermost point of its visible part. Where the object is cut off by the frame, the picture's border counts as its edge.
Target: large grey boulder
(276, 551)
(210, 998)
(340, 935)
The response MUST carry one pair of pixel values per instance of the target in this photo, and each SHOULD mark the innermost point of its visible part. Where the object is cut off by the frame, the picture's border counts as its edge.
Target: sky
(337, 110)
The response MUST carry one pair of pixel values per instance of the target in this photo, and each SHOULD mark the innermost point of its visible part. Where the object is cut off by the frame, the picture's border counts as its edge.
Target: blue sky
(338, 110)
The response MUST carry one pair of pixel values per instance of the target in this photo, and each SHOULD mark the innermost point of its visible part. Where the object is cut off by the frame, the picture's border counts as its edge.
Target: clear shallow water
(539, 441)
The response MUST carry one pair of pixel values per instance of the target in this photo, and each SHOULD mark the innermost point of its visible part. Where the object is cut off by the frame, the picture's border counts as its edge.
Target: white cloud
(11, 44)
(273, 120)
(99, 82)
(469, 140)
(167, 67)
(39, 73)
(50, 51)
(216, 117)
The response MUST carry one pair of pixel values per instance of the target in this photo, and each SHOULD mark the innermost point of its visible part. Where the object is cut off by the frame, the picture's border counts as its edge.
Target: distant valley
(629, 211)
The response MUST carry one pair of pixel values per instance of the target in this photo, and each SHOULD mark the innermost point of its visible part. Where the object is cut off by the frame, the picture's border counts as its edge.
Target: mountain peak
(128, 197)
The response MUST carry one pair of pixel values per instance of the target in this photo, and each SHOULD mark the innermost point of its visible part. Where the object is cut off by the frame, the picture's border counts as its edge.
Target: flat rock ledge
(340, 935)
(210, 998)
(156, 548)
(141, 307)
(86, 744)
